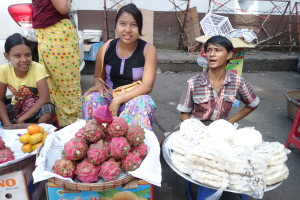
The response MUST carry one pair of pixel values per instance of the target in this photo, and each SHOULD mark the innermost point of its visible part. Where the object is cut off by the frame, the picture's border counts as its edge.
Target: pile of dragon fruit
(104, 147)
(6, 154)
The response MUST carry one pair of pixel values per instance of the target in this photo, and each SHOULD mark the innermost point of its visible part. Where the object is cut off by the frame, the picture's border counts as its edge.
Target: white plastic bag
(28, 32)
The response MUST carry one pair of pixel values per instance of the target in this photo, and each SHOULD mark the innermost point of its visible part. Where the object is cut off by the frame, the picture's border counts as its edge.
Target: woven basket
(18, 166)
(21, 164)
(17, 126)
(292, 105)
(90, 186)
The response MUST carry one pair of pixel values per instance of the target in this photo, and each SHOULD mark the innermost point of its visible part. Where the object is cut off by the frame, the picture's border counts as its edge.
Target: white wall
(233, 6)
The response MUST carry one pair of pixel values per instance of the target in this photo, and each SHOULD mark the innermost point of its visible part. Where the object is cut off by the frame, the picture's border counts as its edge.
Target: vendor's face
(20, 57)
(126, 28)
(217, 56)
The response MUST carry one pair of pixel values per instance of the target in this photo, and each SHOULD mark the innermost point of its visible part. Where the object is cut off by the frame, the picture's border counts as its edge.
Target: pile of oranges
(34, 137)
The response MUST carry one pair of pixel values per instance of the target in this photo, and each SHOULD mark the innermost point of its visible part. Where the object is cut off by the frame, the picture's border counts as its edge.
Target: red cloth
(23, 105)
(45, 14)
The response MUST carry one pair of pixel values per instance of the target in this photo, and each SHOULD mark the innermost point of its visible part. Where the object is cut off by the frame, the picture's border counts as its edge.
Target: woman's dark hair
(219, 40)
(136, 13)
(14, 40)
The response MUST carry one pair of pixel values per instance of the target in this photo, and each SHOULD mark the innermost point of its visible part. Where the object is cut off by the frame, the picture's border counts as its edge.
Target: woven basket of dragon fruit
(101, 153)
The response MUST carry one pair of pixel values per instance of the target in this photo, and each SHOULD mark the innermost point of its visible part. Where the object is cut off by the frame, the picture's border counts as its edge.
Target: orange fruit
(34, 146)
(27, 148)
(24, 138)
(42, 130)
(35, 138)
(33, 128)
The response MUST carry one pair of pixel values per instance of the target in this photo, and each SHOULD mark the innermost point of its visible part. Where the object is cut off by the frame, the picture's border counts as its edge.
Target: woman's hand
(20, 120)
(62, 6)
(99, 87)
(114, 105)
(95, 88)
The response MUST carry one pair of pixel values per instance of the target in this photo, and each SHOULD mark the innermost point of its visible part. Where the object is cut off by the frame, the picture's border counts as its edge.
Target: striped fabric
(47, 108)
(200, 98)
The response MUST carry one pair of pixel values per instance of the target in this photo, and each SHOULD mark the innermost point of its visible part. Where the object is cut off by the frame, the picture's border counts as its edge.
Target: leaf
(142, 193)
(108, 193)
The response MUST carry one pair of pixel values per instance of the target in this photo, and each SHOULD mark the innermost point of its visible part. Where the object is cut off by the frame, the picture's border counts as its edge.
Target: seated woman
(127, 59)
(27, 80)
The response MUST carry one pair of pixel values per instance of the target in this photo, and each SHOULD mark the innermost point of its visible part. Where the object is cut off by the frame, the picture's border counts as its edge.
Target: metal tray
(167, 156)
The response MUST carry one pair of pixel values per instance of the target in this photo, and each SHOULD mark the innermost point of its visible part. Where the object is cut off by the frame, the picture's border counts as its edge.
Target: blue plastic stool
(204, 192)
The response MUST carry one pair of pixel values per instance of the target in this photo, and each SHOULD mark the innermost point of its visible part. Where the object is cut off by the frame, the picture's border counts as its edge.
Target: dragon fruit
(119, 147)
(87, 172)
(79, 134)
(131, 162)
(103, 114)
(64, 168)
(107, 138)
(6, 155)
(75, 149)
(98, 152)
(110, 170)
(93, 131)
(117, 127)
(135, 135)
(2, 144)
(142, 150)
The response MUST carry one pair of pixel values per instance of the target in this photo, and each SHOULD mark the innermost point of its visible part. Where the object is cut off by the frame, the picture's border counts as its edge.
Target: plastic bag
(28, 32)
(202, 61)
(248, 35)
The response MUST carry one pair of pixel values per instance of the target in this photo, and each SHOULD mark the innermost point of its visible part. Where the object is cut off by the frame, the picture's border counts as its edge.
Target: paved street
(270, 119)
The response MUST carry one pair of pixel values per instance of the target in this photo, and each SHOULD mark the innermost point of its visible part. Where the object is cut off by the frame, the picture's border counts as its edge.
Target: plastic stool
(294, 133)
(204, 192)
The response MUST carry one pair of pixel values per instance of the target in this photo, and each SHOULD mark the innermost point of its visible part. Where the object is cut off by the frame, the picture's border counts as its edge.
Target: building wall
(241, 13)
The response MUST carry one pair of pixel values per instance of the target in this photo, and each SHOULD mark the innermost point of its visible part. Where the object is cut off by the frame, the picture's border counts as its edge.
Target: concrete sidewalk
(254, 61)
(270, 118)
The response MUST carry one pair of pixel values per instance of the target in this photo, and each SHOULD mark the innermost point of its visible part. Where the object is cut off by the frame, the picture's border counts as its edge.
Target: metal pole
(183, 24)
(106, 35)
(298, 24)
(290, 28)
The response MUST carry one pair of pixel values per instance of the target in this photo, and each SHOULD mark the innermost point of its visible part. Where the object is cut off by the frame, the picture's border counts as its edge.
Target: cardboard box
(13, 186)
(19, 185)
(140, 188)
(236, 42)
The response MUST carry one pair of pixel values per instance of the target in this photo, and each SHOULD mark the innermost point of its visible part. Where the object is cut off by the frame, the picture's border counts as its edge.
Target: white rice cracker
(179, 162)
(211, 170)
(213, 163)
(277, 176)
(246, 184)
(206, 178)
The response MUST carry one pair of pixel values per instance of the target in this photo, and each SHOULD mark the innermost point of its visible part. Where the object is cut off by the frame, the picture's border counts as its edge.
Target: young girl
(127, 59)
(27, 80)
